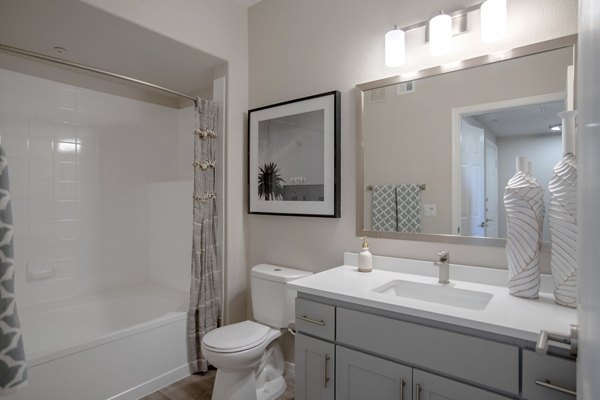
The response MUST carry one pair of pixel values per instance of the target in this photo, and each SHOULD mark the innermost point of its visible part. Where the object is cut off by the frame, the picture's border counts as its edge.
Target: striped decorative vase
(562, 217)
(524, 202)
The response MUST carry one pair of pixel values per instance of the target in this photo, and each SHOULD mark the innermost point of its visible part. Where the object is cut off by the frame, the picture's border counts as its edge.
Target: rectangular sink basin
(436, 293)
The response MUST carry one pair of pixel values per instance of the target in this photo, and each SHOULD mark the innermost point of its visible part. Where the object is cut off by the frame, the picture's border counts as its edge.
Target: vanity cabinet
(315, 361)
(315, 319)
(428, 386)
(350, 352)
(473, 359)
(359, 376)
(546, 377)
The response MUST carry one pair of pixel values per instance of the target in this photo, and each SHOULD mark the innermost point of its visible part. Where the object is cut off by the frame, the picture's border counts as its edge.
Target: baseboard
(290, 369)
(154, 384)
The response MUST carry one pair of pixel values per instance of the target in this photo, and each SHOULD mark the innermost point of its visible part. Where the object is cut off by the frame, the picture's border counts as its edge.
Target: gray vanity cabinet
(314, 368)
(428, 386)
(360, 376)
(546, 377)
(350, 352)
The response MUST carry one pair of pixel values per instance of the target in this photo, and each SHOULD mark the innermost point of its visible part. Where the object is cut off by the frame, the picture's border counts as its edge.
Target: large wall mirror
(437, 148)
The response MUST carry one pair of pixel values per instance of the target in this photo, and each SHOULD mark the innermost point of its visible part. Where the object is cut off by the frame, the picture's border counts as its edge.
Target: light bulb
(394, 48)
(493, 20)
(440, 34)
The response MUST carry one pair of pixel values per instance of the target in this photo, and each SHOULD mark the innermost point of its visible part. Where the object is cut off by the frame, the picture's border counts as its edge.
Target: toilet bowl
(247, 354)
(252, 356)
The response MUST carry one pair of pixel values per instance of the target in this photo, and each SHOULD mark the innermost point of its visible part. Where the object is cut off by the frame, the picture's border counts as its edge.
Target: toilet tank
(272, 301)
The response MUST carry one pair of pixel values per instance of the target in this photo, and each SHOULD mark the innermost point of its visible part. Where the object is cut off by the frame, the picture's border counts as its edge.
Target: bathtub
(119, 344)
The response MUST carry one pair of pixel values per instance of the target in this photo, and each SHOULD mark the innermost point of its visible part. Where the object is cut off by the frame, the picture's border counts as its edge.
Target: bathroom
(268, 52)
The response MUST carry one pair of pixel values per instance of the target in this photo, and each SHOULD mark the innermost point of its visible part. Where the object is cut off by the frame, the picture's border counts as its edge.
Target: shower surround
(86, 168)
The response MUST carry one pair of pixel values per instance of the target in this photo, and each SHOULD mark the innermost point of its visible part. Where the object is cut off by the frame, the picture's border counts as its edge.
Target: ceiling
(524, 120)
(102, 40)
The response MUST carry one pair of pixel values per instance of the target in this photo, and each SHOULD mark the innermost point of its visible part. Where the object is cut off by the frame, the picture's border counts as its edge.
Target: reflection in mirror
(438, 151)
(490, 141)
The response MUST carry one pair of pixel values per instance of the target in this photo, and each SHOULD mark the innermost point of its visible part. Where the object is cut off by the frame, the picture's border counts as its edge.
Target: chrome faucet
(444, 265)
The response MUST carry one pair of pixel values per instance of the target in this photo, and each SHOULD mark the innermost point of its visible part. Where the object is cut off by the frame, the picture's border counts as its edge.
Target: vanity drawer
(473, 359)
(315, 319)
(555, 372)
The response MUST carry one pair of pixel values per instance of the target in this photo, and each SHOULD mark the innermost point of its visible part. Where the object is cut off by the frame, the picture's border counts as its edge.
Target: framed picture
(294, 157)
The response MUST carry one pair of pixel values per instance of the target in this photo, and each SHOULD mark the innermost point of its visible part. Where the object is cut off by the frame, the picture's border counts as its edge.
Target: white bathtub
(118, 344)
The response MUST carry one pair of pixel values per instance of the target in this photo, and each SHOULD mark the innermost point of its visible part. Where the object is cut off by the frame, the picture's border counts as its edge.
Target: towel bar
(422, 187)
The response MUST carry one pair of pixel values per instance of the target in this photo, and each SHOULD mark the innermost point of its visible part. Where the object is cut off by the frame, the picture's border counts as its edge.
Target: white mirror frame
(554, 44)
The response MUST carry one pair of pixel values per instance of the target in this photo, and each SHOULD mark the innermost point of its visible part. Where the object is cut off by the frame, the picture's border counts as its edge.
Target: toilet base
(271, 390)
(263, 382)
(234, 385)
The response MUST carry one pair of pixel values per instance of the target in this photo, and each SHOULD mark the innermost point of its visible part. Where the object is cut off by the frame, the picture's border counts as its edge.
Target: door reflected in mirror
(490, 141)
(456, 135)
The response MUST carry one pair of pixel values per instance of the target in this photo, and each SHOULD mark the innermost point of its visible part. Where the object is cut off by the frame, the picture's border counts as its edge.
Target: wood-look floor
(199, 387)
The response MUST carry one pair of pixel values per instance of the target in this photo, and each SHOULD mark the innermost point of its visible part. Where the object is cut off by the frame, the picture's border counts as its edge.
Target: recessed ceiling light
(59, 49)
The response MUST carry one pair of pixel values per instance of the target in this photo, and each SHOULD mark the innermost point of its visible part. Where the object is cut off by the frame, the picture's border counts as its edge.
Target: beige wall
(299, 48)
(217, 27)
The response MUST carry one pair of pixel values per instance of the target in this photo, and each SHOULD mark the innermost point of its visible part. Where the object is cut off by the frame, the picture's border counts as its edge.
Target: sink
(436, 293)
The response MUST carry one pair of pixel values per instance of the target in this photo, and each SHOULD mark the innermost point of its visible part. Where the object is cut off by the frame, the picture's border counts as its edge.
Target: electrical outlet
(430, 210)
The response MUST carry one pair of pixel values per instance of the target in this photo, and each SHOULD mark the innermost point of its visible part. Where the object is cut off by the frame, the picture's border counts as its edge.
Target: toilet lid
(236, 337)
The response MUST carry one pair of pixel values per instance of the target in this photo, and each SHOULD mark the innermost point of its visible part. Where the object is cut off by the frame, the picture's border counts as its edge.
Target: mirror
(437, 148)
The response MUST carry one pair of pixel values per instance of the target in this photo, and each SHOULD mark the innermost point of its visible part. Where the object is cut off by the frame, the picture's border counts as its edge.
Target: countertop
(504, 314)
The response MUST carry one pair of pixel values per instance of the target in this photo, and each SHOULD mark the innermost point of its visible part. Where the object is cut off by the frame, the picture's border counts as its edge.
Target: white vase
(524, 203)
(562, 217)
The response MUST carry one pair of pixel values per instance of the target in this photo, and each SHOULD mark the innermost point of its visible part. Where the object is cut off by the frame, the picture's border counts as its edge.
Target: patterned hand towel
(13, 369)
(384, 208)
(408, 201)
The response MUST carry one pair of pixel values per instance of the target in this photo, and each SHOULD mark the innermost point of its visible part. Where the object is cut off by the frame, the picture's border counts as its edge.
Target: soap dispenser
(365, 259)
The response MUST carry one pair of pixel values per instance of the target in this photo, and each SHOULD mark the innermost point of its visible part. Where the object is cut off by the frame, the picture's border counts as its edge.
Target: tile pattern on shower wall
(79, 162)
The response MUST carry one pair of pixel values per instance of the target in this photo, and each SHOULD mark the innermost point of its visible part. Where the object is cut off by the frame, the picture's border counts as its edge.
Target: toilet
(247, 355)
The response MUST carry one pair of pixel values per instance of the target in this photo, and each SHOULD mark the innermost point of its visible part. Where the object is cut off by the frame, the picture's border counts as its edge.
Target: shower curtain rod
(28, 53)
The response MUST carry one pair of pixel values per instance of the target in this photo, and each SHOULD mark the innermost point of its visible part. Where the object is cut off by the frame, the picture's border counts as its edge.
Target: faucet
(444, 265)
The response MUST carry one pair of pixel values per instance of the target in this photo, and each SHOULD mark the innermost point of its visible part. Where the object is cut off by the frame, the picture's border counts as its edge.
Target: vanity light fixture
(440, 29)
(493, 20)
(440, 34)
(394, 47)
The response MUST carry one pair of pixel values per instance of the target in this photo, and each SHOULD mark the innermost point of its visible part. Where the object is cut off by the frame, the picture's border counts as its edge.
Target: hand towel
(408, 203)
(384, 208)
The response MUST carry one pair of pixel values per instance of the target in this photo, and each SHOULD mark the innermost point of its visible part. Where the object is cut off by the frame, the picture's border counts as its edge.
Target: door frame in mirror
(461, 112)
(541, 47)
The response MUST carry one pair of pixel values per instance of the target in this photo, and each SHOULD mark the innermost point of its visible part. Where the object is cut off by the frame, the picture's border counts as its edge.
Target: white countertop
(504, 314)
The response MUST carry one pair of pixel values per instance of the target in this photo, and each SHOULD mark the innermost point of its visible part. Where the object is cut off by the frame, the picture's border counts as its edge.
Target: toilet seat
(236, 337)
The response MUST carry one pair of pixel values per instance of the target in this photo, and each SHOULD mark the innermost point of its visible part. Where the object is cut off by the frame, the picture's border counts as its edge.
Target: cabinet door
(314, 368)
(359, 376)
(546, 377)
(427, 386)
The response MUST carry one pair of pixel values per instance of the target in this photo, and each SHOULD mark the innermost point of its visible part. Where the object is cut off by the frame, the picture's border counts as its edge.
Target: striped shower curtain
(204, 313)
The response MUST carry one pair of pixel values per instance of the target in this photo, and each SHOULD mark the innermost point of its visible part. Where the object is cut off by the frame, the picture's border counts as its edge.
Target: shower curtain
(204, 313)
(13, 368)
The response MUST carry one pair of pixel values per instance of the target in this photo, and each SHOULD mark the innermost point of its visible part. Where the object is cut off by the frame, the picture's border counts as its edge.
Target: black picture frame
(286, 175)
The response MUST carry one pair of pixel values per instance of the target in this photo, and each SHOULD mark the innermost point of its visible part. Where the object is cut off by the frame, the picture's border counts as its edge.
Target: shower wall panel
(80, 162)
